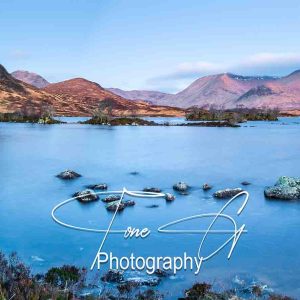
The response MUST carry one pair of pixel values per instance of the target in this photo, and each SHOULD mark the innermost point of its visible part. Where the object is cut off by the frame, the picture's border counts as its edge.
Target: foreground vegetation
(67, 282)
(236, 115)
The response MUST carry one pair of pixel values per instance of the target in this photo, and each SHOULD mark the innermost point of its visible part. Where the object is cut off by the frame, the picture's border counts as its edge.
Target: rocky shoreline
(71, 282)
(120, 121)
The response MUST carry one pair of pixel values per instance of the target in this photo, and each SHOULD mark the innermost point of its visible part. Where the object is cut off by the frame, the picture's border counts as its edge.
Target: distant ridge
(228, 90)
(86, 96)
(74, 97)
(30, 78)
(151, 96)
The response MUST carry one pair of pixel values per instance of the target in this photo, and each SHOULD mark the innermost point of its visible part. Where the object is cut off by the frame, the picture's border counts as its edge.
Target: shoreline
(72, 282)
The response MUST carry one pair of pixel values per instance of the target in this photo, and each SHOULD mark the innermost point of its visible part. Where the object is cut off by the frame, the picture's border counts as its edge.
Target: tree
(104, 111)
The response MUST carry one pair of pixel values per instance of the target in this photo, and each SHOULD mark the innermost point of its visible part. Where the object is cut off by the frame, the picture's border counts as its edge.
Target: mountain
(283, 93)
(30, 78)
(75, 97)
(86, 95)
(219, 90)
(16, 95)
(151, 96)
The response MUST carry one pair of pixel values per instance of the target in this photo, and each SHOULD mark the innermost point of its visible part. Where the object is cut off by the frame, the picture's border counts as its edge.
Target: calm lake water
(31, 156)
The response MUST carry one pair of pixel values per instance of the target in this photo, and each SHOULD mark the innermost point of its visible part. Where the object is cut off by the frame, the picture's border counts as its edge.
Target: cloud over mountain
(273, 64)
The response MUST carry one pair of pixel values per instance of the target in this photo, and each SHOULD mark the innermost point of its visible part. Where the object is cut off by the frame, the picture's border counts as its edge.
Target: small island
(119, 121)
(236, 115)
(28, 113)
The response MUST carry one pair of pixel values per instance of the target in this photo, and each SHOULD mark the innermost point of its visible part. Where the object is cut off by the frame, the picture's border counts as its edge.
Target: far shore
(195, 117)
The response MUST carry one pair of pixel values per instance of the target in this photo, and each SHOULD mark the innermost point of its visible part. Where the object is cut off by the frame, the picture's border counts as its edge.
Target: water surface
(32, 154)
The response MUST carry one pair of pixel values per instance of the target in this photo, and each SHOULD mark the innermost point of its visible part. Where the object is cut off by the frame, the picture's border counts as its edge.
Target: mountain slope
(86, 96)
(283, 93)
(16, 95)
(30, 78)
(76, 97)
(151, 96)
(219, 90)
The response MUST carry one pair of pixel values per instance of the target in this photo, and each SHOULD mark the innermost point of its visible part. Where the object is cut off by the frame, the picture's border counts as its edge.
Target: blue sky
(158, 44)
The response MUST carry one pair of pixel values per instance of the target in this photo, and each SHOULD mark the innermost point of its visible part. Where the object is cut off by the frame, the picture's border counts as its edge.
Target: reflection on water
(30, 156)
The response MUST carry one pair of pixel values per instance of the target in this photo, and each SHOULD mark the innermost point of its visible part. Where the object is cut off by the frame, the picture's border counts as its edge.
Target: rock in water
(111, 198)
(245, 183)
(152, 206)
(113, 206)
(128, 203)
(206, 187)
(152, 190)
(286, 188)
(134, 173)
(113, 276)
(169, 197)
(227, 193)
(86, 196)
(100, 186)
(68, 174)
(180, 187)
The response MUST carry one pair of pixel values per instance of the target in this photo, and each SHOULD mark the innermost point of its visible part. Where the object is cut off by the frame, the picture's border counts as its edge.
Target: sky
(149, 44)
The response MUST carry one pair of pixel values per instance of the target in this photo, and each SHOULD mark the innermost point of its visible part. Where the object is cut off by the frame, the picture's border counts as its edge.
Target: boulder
(68, 174)
(134, 173)
(111, 198)
(113, 206)
(245, 183)
(100, 186)
(227, 193)
(180, 187)
(152, 190)
(152, 206)
(169, 197)
(129, 203)
(286, 188)
(86, 196)
(113, 276)
(206, 187)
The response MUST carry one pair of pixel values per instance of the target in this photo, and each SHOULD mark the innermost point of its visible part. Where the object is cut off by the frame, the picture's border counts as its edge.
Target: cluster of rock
(286, 188)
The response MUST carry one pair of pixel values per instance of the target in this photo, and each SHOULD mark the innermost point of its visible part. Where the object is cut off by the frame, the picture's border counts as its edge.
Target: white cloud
(274, 64)
(269, 64)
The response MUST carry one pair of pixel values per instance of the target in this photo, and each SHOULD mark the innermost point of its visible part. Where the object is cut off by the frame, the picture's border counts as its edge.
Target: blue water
(31, 156)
